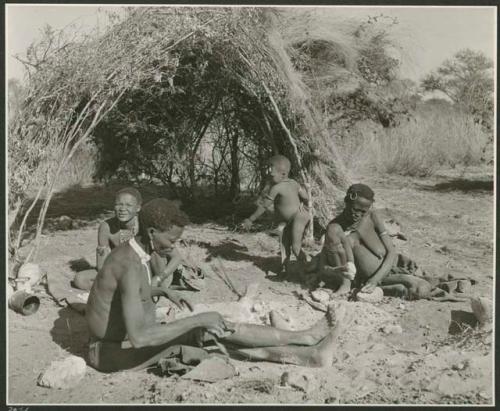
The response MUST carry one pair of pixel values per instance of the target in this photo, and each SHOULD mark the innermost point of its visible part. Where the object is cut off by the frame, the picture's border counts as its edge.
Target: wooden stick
(226, 278)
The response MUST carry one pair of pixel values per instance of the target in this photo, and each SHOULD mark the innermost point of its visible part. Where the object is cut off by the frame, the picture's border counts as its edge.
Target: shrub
(418, 147)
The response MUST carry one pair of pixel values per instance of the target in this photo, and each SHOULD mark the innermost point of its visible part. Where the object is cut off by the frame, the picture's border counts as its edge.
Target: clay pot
(24, 303)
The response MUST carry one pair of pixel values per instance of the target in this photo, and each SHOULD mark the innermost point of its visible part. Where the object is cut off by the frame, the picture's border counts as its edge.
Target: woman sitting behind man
(118, 230)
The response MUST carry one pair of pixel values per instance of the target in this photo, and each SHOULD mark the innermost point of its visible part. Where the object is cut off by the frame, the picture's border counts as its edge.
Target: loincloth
(109, 356)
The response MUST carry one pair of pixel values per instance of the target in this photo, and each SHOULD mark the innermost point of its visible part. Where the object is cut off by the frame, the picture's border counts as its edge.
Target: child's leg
(284, 239)
(299, 224)
(334, 260)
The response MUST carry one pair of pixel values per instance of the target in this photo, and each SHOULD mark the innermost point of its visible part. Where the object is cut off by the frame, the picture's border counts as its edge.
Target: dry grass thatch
(74, 82)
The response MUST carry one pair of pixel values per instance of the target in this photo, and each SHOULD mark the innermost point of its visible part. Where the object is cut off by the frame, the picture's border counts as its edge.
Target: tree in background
(467, 79)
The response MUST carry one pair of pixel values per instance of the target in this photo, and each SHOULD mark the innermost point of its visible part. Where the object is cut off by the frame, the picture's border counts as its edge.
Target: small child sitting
(288, 198)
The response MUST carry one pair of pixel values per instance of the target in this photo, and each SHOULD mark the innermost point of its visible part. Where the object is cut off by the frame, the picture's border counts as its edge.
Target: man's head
(163, 223)
(128, 203)
(279, 168)
(358, 200)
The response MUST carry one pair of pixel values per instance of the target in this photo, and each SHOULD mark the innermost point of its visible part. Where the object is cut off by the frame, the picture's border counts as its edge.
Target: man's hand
(369, 287)
(247, 224)
(178, 300)
(214, 324)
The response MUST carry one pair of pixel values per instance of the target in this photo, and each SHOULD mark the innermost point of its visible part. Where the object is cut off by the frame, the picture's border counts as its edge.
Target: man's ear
(151, 231)
(138, 208)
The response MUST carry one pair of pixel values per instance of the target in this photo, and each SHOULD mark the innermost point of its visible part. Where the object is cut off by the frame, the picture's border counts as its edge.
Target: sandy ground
(449, 224)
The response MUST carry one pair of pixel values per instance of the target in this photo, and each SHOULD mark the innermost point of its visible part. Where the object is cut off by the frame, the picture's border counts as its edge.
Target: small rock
(320, 295)
(443, 250)
(401, 306)
(257, 308)
(483, 310)
(65, 223)
(374, 297)
(298, 380)
(392, 329)
(460, 366)
(212, 369)
(65, 373)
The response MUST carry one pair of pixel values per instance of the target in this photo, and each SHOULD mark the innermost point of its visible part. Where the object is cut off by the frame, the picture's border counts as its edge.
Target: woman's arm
(389, 258)
(103, 248)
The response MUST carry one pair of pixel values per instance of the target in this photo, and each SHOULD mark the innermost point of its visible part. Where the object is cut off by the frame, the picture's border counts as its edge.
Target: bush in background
(418, 147)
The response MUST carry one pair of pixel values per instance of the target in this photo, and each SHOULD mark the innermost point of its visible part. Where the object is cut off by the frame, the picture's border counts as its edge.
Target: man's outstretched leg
(252, 335)
(319, 355)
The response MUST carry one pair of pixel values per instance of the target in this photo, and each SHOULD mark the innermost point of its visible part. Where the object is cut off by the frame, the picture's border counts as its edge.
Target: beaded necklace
(128, 233)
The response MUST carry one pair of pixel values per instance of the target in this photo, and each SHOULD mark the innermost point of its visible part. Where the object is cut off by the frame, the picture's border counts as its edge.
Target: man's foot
(278, 321)
(333, 318)
(339, 318)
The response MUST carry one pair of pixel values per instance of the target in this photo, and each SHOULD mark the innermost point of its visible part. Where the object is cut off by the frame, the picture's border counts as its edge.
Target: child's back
(285, 196)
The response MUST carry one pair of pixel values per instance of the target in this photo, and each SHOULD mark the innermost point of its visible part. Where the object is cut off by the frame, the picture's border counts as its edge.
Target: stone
(392, 329)
(257, 308)
(212, 369)
(298, 380)
(374, 297)
(483, 310)
(63, 374)
(320, 296)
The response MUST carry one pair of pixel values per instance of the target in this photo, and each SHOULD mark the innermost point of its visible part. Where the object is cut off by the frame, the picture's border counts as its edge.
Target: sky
(428, 35)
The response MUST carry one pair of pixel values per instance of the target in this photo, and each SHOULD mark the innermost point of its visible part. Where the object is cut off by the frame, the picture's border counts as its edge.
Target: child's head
(128, 203)
(163, 223)
(358, 200)
(280, 167)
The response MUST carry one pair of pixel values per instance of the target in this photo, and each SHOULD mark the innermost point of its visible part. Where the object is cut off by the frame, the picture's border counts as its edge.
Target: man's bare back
(104, 310)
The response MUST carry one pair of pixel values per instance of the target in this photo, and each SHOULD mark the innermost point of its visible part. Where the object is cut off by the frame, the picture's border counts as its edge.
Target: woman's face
(126, 207)
(357, 208)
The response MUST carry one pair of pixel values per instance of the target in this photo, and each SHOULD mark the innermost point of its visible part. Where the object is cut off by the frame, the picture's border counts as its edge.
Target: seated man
(118, 230)
(121, 315)
(377, 262)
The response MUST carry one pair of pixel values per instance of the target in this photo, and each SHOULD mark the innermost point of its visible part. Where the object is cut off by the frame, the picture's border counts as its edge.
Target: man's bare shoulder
(120, 261)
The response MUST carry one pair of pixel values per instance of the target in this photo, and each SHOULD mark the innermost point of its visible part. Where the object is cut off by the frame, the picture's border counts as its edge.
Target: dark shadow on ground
(85, 205)
(80, 264)
(460, 184)
(461, 320)
(232, 251)
(70, 332)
